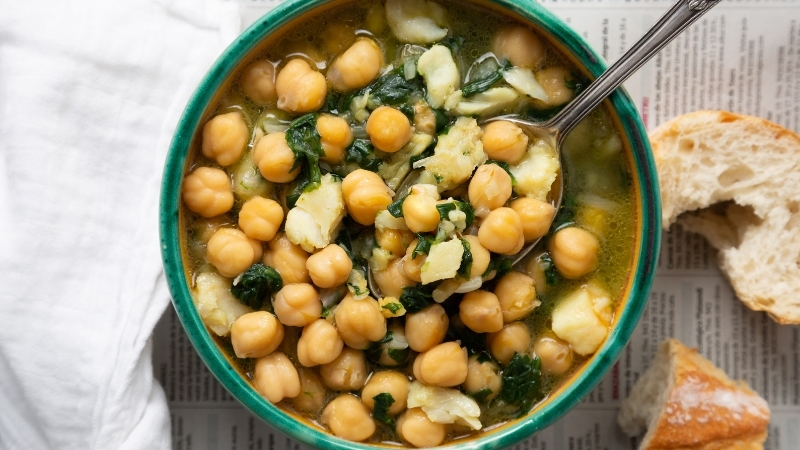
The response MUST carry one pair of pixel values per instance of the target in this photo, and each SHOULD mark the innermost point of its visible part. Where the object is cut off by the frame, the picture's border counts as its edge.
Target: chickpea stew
(296, 188)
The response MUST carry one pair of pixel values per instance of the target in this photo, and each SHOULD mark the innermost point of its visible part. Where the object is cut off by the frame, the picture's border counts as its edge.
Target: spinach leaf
(392, 88)
(408, 111)
(481, 395)
(256, 283)
(466, 208)
(466, 260)
(396, 207)
(551, 274)
(483, 84)
(484, 357)
(361, 152)
(424, 244)
(454, 43)
(416, 298)
(400, 356)
(502, 264)
(576, 82)
(475, 343)
(392, 307)
(344, 240)
(332, 102)
(374, 350)
(522, 382)
(444, 210)
(304, 140)
(383, 402)
(566, 213)
(441, 119)
(426, 153)
(504, 165)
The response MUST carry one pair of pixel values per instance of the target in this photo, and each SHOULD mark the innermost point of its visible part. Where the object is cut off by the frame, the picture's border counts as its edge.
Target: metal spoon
(682, 14)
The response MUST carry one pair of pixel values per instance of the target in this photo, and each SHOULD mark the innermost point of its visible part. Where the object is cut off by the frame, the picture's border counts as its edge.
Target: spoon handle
(682, 14)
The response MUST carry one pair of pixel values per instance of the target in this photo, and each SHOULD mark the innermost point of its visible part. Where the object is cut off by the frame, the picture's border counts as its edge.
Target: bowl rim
(642, 276)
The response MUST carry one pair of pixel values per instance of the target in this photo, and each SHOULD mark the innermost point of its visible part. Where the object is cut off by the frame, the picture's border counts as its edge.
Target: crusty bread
(707, 157)
(685, 402)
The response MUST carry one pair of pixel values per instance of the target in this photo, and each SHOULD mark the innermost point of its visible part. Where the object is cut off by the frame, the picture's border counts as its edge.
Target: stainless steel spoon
(682, 14)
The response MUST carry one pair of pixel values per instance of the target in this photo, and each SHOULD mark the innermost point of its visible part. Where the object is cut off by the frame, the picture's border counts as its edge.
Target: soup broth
(355, 140)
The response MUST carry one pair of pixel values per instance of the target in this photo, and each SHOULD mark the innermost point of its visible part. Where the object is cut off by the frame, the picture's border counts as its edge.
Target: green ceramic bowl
(628, 312)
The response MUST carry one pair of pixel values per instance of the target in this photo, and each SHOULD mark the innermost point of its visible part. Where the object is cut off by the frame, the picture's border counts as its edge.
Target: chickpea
(335, 135)
(480, 256)
(275, 159)
(288, 259)
(276, 378)
(297, 305)
(300, 88)
(232, 252)
(389, 129)
(348, 372)
(482, 375)
(553, 80)
(445, 365)
(536, 216)
(225, 138)
(393, 383)
(337, 36)
(504, 141)
(260, 218)
(357, 66)
(365, 193)
(312, 393)
(207, 191)
(555, 354)
(424, 119)
(480, 311)
(348, 418)
(398, 332)
(256, 334)
(393, 279)
(393, 241)
(574, 251)
(426, 329)
(329, 267)
(501, 232)
(413, 266)
(415, 427)
(519, 45)
(489, 188)
(319, 344)
(513, 338)
(517, 296)
(419, 209)
(258, 82)
(359, 322)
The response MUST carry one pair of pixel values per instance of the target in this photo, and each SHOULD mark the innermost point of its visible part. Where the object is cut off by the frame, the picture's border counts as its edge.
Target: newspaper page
(743, 56)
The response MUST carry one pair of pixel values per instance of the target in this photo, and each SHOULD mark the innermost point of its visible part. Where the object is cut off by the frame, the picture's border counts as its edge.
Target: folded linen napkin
(90, 92)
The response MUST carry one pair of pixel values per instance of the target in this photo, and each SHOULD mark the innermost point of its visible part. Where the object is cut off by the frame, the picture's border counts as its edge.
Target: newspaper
(743, 56)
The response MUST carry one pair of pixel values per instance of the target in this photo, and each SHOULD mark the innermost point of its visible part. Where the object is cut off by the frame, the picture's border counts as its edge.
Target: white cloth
(90, 92)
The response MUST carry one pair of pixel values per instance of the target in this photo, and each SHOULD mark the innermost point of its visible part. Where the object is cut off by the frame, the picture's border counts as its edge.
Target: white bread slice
(707, 157)
(685, 402)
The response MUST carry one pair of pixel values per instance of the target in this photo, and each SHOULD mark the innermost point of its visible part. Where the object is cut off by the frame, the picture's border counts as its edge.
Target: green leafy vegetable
(396, 207)
(416, 298)
(444, 210)
(466, 208)
(304, 140)
(256, 283)
(504, 165)
(361, 152)
(483, 84)
(484, 357)
(466, 260)
(502, 264)
(541, 115)
(393, 307)
(441, 119)
(522, 382)
(426, 153)
(374, 350)
(482, 395)
(392, 88)
(400, 356)
(408, 111)
(566, 213)
(424, 243)
(475, 343)
(576, 83)
(332, 102)
(344, 241)
(551, 274)
(383, 402)
(454, 43)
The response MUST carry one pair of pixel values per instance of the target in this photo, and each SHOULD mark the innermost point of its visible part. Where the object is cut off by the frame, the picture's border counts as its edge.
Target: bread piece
(707, 157)
(685, 402)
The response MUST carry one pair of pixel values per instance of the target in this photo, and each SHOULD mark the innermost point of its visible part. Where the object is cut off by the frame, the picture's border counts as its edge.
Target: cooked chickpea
(207, 191)
(513, 338)
(426, 329)
(348, 372)
(297, 305)
(480, 256)
(489, 188)
(256, 334)
(389, 129)
(482, 375)
(419, 210)
(329, 267)
(424, 119)
(225, 138)
(412, 267)
(337, 36)
(348, 418)
(232, 252)
(393, 279)
(398, 357)
(574, 251)
(288, 259)
(312, 393)
(501, 232)
(275, 159)
(393, 241)
(359, 321)
(300, 88)
(320, 343)
(335, 135)
(555, 354)
(519, 45)
(258, 82)
(517, 296)
(553, 80)
(260, 218)
(393, 383)
(276, 378)
(480, 311)
(504, 141)
(445, 365)
(365, 193)
(357, 66)
(417, 429)
(536, 216)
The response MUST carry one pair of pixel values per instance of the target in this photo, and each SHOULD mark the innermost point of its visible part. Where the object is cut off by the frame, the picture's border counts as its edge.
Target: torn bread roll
(684, 402)
(750, 168)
